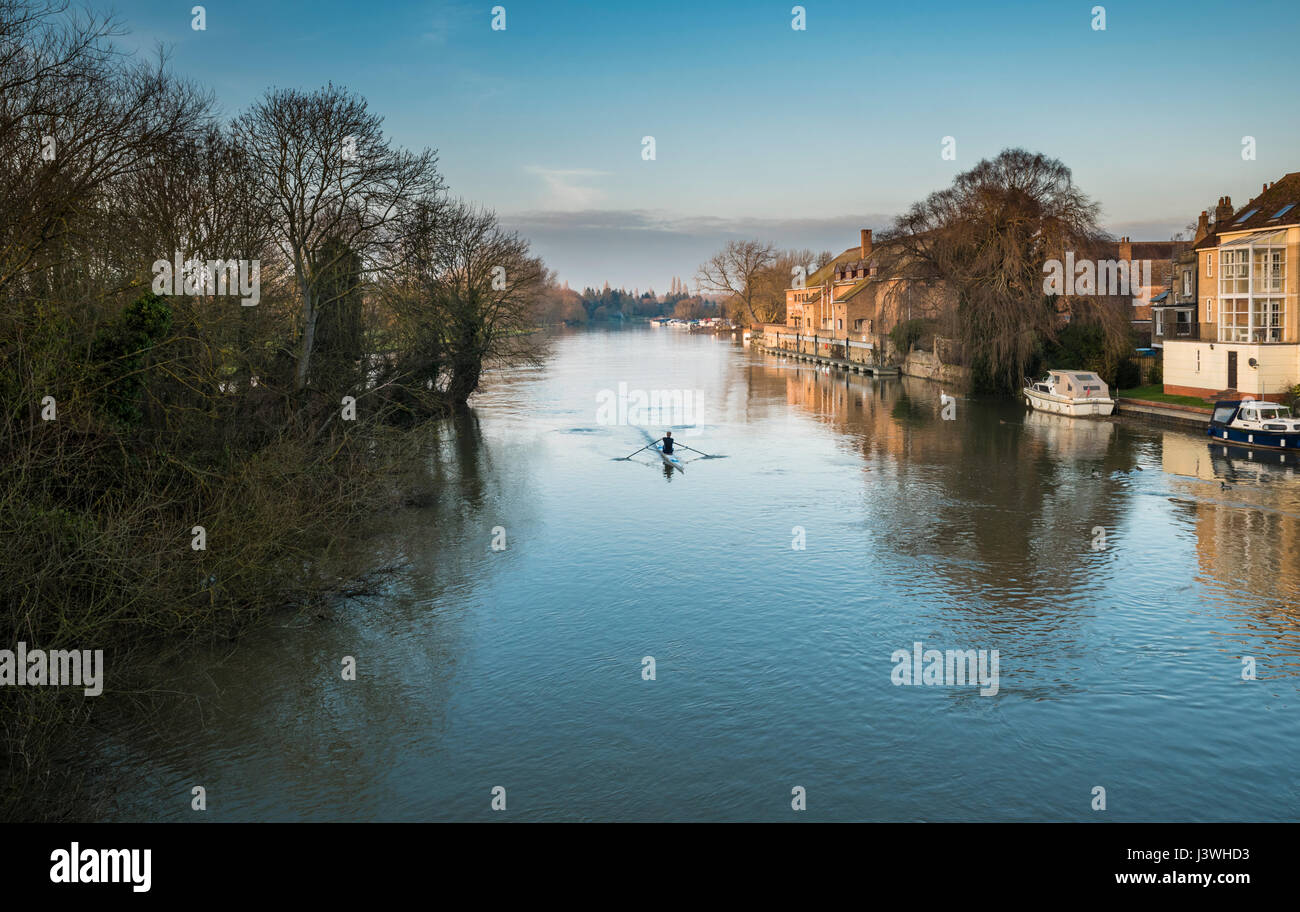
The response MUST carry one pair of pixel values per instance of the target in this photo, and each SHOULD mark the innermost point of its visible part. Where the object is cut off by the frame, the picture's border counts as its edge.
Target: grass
(1155, 393)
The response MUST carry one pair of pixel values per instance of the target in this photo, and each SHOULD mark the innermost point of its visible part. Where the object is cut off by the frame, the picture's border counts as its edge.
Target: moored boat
(1067, 392)
(1252, 423)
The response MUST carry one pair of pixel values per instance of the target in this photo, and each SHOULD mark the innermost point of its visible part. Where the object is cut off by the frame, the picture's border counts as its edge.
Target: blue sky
(798, 137)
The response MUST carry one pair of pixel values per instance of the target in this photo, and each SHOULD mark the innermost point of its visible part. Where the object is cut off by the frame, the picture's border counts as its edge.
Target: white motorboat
(1073, 393)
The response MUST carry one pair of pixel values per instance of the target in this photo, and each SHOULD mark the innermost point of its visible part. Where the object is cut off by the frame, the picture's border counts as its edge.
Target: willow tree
(986, 240)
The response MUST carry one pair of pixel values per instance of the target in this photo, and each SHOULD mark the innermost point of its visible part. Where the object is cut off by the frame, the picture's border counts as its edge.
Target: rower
(668, 443)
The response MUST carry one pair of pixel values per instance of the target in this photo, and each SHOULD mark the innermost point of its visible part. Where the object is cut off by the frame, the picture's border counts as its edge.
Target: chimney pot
(1224, 211)
(1202, 227)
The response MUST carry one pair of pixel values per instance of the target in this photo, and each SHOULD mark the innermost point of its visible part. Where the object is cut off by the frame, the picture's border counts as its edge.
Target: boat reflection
(1066, 436)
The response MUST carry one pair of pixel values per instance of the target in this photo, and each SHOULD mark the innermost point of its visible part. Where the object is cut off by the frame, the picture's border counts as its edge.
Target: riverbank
(1163, 412)
(178, 559)
(858, 357)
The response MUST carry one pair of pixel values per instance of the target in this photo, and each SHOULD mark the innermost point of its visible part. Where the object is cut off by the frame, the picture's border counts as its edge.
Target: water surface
(1120, 666)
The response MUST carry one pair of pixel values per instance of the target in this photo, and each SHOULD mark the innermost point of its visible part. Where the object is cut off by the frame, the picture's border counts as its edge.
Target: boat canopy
(1079, 384)
(1261, 411)
(1250, 410)
(1225, 411)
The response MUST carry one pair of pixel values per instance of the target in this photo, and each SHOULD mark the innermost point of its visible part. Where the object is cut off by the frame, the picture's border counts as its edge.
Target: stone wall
(928, 366)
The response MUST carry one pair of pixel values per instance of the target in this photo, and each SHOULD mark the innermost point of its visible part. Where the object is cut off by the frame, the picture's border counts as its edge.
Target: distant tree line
(591, 305)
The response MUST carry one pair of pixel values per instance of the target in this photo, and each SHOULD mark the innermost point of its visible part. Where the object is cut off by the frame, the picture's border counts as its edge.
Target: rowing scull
(669, 460)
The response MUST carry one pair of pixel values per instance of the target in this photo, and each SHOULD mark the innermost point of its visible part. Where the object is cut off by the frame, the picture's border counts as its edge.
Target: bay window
(1252, 289)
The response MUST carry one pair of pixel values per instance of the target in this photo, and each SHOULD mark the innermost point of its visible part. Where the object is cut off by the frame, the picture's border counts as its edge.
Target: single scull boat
(669, 460)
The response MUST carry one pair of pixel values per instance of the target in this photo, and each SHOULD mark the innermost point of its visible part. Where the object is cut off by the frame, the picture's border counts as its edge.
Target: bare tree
(736, 271)
(334, 184)
(466, 294)
(75, 118)
(771, 283)
(486, 288)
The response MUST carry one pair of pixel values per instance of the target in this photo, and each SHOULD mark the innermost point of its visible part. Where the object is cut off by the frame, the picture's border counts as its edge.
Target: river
(1120, 655)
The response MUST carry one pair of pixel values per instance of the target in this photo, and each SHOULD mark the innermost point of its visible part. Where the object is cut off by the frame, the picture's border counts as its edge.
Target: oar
(646, 447)
(693, 450)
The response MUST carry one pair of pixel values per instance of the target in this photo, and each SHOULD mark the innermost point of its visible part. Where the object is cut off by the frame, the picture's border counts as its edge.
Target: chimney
(1125, 249)
(1202, 227)
(1223, 212)
(866, 243)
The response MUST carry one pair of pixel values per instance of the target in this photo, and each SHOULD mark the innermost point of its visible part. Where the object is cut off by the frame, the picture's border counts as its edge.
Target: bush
(1292, 398)
(119, 351)
(912, 332)
(1079, 346)
(1128, 375)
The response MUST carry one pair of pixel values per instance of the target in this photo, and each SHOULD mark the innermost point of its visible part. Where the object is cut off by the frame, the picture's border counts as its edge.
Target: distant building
(1154, 261)
(1174, 311)
(858, 297)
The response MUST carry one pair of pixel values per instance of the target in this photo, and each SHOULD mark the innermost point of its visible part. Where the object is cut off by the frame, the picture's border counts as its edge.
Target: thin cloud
(446, 19)
(569, 189)
(781, 231)
(646, 247)
(1152, 230)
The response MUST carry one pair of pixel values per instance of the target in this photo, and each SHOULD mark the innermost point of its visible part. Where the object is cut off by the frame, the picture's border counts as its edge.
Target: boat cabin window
(1223, 413)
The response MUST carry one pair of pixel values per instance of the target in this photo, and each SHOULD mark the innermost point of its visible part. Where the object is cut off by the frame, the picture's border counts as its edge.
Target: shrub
(119, 351)
(912, 332)
(1080, 346)
(1128, 375)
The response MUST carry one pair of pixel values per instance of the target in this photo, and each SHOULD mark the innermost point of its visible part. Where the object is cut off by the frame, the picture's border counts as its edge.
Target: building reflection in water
(1002, 503)
(1245, 508)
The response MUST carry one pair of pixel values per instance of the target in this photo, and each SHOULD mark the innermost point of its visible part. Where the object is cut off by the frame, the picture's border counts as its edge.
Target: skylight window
(1245, 216)
(1283, 211)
